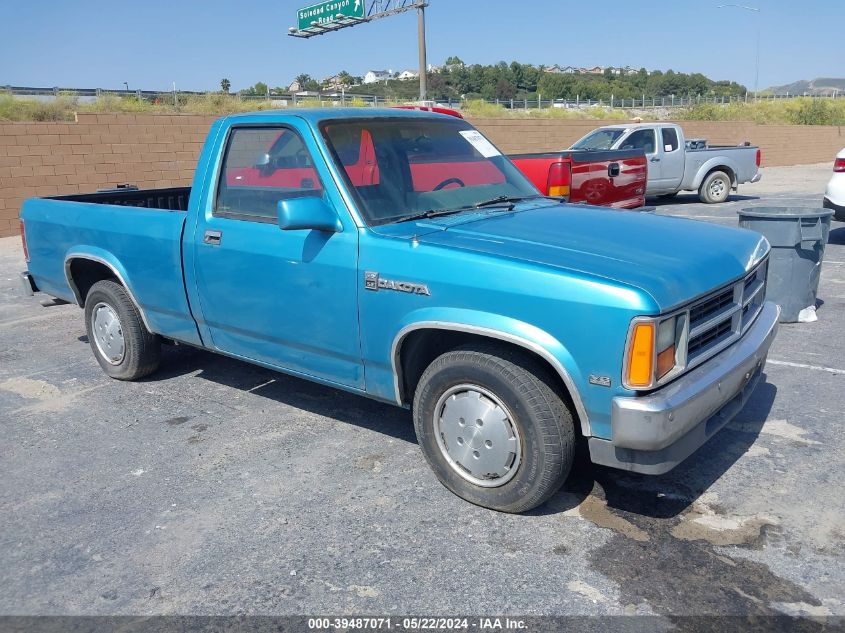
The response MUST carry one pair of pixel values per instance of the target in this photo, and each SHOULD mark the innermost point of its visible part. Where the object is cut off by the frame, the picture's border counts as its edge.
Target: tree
(505, 89)
(225, 84)
(260, 88)
(454, 60)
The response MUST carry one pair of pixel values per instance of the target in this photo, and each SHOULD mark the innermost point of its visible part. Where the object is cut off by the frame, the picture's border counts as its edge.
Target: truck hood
(672, 259)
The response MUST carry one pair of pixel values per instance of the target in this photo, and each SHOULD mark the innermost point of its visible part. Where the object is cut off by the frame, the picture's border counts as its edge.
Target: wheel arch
(717, 164)
(415, 336)
(84, 268)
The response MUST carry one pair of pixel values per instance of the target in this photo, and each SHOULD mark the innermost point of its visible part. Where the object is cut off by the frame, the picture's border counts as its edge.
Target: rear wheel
(715, 188)
(124, 347)
(493, 429)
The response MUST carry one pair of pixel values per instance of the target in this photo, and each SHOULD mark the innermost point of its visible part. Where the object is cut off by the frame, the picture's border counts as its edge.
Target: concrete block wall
(95, 152)
(780, 144)
(103, 150)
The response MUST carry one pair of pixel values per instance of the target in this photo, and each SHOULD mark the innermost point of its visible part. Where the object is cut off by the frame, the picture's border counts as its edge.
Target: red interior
(425, 174)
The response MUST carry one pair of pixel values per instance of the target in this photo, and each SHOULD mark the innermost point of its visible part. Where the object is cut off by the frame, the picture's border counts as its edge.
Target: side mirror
(263, 160)
(297, 214)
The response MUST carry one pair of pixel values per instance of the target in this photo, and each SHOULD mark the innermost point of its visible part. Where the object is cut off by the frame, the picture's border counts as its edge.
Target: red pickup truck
(607, 178)
(615, 178)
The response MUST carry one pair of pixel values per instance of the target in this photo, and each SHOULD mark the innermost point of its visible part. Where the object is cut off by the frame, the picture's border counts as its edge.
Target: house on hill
(374, 76)
(406, 75)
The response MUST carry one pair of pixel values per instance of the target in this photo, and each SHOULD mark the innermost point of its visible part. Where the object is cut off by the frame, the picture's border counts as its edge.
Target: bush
(60, 108)
(800, 111)
(808, 111)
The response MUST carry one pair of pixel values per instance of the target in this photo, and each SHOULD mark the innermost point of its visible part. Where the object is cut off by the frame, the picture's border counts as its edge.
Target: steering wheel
(449, 181)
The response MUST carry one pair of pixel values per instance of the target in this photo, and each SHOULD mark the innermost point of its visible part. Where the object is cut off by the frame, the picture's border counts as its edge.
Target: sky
(152, 43)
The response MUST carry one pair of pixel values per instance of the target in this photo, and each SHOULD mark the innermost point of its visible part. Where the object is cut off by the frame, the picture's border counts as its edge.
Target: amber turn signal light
(641, 356)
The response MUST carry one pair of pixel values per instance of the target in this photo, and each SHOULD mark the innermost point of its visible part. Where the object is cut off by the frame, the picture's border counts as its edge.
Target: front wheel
(122, 345)
(715, 188)
(493, 429)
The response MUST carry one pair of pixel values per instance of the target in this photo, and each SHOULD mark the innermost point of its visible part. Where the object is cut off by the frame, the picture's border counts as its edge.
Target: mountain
(815, 87)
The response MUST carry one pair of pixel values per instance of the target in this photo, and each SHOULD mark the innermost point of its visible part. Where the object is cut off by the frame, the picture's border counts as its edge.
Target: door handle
(613, 170)
(654, 159)
(212, 237)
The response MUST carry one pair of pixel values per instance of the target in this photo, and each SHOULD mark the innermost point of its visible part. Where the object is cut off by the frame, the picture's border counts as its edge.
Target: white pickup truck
(677, 164)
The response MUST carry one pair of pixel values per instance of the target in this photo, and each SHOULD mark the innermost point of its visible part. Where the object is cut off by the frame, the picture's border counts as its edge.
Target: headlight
(656, 351)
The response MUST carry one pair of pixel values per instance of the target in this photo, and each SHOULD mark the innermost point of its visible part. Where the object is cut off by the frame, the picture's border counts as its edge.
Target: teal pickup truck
(399, 255)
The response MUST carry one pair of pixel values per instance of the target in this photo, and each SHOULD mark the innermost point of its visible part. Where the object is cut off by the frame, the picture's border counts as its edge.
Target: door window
(262, 166)
(670, 139)
(641, 139)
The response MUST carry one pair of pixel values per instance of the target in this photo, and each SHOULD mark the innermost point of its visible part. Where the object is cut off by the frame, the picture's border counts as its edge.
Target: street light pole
(757, 64)
(421, 37)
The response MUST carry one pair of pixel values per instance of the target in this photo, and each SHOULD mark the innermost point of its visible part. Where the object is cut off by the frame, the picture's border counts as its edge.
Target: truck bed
(169, 199)
(129, 231)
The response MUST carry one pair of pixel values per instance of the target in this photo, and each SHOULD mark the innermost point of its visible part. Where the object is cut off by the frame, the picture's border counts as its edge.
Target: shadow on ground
(660, 497)
(836, 235)
(288, 390)
(692, 198)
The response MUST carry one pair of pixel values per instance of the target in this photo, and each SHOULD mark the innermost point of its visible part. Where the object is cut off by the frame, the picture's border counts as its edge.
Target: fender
(498, 327)
(708, 166)
(102, 256)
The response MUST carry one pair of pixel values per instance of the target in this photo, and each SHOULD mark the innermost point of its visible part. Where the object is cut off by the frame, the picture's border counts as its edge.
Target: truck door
(672, 160)
(284, 298)
(646, 140)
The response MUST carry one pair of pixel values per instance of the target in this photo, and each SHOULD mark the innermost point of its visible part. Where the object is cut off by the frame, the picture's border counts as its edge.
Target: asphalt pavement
(218, 487)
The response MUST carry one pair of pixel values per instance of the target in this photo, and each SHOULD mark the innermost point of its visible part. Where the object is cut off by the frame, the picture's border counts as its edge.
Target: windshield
(404, 167)
(600, 139)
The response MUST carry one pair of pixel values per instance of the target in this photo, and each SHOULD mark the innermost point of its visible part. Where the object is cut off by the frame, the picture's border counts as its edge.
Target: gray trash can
(798, 236)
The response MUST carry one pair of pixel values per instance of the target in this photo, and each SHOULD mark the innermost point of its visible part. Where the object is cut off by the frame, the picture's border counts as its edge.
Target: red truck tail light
(560, 179)
(23, 242)
(759, 157)
(839, 165)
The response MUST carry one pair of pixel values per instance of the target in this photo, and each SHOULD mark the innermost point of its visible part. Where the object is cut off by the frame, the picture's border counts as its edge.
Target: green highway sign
(324, 13)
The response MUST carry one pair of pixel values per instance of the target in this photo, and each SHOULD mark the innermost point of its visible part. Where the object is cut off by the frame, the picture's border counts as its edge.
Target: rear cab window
(261, 166)
(670, 139)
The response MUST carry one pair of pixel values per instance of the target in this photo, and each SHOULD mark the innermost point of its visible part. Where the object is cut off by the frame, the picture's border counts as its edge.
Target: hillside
(823, 86)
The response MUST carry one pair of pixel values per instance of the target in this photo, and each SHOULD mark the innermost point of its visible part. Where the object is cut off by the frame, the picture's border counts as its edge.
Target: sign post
(333, 15)
(421, 40)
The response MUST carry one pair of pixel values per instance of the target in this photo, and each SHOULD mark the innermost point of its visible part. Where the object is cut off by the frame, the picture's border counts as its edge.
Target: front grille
(722, 317)
(701, 312)
(710, 337)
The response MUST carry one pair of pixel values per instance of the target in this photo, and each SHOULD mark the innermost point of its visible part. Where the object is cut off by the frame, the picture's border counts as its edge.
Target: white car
(834, 195)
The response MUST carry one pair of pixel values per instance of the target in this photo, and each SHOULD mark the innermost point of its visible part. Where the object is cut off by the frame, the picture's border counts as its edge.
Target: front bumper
(654, 433)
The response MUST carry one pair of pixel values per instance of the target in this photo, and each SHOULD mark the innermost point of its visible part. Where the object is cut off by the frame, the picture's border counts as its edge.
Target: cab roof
(317, 115)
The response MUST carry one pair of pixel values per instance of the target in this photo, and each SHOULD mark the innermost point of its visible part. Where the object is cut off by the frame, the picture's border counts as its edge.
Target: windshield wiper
(431, 213)
(507, 201)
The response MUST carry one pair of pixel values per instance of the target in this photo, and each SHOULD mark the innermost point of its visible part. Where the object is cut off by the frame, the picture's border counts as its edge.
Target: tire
(486, 377)
(117, 321)
(715, 188)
